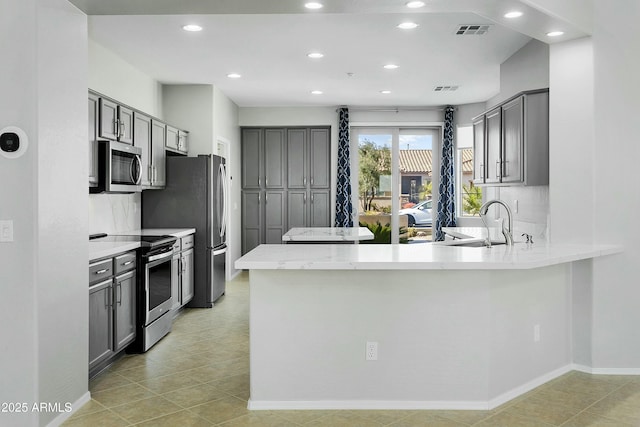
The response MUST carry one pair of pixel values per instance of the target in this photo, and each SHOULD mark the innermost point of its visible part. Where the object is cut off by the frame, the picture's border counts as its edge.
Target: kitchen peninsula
(452, 327)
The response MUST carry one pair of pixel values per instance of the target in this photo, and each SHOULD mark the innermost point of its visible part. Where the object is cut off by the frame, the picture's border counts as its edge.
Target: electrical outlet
(6, 231)
(536, 333)
(372, 350)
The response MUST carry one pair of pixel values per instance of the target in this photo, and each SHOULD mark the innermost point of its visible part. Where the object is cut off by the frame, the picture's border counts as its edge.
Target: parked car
(419, 214)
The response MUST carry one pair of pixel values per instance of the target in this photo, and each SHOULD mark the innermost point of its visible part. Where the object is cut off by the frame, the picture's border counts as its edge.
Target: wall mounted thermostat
(13, 142)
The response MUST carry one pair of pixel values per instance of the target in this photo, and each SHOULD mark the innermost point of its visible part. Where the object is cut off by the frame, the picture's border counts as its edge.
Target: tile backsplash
(114, 213)
(532, 215)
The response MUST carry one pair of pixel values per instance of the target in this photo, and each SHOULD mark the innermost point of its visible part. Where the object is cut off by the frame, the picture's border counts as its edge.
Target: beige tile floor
(198, 375)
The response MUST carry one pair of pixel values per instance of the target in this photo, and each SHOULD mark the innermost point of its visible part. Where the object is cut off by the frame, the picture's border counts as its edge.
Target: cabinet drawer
(125, 262)
(187, 242)
(100, 270)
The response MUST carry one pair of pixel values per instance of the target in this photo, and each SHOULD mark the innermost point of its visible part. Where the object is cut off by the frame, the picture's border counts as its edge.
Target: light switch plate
(6, 231)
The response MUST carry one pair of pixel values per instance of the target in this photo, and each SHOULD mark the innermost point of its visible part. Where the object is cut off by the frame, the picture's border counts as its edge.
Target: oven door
(157, 285)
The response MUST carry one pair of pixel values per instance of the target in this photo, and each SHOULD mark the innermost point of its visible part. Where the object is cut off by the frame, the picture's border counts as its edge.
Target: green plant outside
(382, 233)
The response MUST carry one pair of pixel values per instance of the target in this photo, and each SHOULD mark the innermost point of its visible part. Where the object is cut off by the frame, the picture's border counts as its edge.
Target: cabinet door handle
(312, 182)
(312, 199)
(108, 299)
(258, 198)
(121, 129)
(119, 293)
(183, 265)
(304, 181)
(266, 198)
(498, 171)
(482, 171)
(266, 182)
(305, 198)
(104, 270)
(116, 129)
(127, 263)
(259, 181)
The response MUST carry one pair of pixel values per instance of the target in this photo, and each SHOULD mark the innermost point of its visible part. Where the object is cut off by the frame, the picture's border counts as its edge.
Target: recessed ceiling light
(316, 92)
(391, 66)
(514, 14)
(408, 25)
(315, 55)
(415, 4)
(385, 92)
(555, 33)
(234, 75)
(192, 27)
(313, 5)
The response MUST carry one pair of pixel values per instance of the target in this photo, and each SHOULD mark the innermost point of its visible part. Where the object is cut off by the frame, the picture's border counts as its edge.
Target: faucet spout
(507, 229)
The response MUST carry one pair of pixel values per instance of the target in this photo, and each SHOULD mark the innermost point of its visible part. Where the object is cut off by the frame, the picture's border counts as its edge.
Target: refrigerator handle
(222, 181)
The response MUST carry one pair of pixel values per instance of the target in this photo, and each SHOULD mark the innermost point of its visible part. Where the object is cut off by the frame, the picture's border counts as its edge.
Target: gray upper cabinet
(516, 141)
(252, 164)
(142, 139)
(274, 158)
(115, 122)
(172, 138)
(158, 155)
(297, 164)
(512, 140)
(493, 144)
(479, 160)
(320, 161)
(93, 139)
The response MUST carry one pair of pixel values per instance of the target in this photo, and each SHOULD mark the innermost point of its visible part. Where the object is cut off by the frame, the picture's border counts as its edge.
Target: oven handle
(163, 255)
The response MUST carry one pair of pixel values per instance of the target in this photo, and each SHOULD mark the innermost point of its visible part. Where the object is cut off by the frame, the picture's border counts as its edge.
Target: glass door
(395, 181)
(396, 172)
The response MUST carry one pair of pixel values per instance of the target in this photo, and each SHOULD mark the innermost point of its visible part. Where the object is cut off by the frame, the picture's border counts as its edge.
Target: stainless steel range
(154, 319)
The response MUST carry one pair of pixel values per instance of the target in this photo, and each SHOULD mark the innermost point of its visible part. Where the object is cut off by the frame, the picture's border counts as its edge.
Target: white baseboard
(606, 371)
(64, 416)
(268, 405)
(528, 386)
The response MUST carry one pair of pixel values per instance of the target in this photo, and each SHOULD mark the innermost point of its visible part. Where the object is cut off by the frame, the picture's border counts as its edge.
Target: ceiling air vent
(472, 30)
(445, 88)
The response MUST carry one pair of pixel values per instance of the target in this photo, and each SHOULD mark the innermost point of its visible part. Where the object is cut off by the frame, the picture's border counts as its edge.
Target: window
(469, 196)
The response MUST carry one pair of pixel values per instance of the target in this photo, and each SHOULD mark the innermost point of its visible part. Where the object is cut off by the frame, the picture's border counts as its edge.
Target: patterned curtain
(446, 202)
(344, 209)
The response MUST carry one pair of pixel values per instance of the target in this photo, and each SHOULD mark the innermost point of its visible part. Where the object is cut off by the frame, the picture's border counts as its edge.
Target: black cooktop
(145, 241)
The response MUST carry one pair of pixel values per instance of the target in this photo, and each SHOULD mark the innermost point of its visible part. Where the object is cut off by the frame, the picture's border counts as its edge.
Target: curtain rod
(394, 109)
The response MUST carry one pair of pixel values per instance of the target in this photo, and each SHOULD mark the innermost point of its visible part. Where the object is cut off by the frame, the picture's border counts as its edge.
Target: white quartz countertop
(99, 250)
(416, 256)
(327, 234)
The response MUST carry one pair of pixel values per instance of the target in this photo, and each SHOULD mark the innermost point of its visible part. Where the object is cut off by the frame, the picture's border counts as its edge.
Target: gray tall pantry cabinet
(286, 182)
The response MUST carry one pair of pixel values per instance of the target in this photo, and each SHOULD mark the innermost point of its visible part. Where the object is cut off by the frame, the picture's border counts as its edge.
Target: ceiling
(267, 42)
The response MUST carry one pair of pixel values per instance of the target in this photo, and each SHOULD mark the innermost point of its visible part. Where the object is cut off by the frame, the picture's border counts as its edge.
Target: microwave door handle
(139, 176)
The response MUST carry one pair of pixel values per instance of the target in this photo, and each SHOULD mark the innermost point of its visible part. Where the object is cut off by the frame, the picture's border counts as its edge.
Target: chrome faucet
(507, 229)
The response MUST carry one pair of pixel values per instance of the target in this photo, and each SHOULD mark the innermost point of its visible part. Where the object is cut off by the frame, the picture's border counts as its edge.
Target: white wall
(572, 142)
(44, 306)
(190, 107)
(616, 318)
(112, 76)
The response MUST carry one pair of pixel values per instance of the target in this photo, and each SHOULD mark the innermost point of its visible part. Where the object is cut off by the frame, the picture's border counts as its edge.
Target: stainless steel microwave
(119, 168)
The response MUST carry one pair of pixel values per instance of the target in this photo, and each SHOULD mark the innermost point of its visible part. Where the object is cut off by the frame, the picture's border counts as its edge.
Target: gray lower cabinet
(100, 323)
(286, 182)
(182, 273)
(112, 308)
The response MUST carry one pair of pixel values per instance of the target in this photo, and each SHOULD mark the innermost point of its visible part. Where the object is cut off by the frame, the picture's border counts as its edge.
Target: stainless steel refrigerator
(195, 196)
